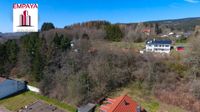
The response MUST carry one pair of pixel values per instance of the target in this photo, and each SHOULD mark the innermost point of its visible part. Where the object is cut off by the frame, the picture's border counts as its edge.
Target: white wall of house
(33, 89)
(159, 48)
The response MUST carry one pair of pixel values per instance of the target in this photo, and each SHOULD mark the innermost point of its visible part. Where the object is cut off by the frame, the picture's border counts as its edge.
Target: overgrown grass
(16, 102)
(140, 95)
(147, 101)
(33, 83)
(128, 45)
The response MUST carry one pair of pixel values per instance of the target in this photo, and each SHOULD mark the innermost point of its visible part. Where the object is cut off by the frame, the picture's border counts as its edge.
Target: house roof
(86, 108)
(120, 104)
(159, 41)
(146, 30)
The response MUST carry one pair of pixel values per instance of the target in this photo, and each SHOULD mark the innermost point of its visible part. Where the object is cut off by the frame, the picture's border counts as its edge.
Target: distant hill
(1, 34)
(5, 36)
(177, 20)
(18, 34)
(132, 31)
(139, 31)
(185, 24)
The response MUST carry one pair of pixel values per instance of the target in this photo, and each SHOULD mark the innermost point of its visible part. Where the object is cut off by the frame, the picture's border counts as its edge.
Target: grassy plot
(54, 102)
(16, 102)
(181, 54)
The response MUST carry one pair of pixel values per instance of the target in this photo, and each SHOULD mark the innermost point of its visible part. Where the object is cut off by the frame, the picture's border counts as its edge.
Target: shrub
(196, 89)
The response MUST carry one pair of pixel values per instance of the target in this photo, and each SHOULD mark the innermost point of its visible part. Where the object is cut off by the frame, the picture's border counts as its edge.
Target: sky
(66, 12)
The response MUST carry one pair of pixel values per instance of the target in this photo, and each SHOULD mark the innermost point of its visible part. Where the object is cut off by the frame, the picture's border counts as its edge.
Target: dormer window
(125, 102)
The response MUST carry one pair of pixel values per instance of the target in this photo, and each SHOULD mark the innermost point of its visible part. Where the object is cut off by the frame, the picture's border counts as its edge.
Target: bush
(181, 40)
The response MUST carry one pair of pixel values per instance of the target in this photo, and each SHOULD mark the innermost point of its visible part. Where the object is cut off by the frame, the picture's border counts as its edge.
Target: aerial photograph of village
(99, 55)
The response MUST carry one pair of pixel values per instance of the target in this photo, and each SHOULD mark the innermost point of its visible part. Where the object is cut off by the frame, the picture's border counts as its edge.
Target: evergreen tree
(113, 33)
(12, 50)
(61, 42)
(2, 58)
(65, 43)
(57, 40)
(158, 30)
(33, 46)
(47, 26)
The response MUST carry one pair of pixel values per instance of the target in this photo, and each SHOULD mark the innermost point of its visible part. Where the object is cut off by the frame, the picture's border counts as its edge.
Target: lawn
(16, 102)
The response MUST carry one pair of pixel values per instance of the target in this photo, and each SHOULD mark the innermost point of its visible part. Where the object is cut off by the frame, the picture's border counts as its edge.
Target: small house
(146, 31)
(158, 45)
(120, 104)
(9, 87)
(180, 48)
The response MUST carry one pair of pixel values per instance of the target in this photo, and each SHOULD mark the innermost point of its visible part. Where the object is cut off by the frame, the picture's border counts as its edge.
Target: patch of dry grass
(149, 102)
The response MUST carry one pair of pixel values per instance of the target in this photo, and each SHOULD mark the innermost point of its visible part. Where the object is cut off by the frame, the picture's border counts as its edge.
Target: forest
(82, 73)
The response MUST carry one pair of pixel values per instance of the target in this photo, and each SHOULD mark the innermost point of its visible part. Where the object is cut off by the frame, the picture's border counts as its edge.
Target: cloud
(192, 1)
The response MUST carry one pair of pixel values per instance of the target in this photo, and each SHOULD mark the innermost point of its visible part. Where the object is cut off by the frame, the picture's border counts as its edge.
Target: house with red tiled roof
(120, 104)
(146, 31)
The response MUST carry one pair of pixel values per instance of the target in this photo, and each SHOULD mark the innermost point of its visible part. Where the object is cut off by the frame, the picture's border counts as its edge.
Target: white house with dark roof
(158, 45)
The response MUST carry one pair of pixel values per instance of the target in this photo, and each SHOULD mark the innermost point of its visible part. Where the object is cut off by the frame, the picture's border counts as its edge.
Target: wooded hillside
(67, 64)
